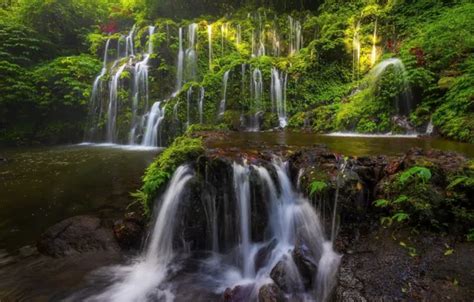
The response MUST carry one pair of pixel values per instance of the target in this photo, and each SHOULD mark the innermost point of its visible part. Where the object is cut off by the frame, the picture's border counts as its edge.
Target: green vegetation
(429, 198)
(182, 150)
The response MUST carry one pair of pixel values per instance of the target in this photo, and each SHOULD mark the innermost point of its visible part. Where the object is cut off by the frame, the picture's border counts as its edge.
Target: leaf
(401, 198)
(421, 172)
(448, 252)
(381, 203)
(317, 187)
(399, 217)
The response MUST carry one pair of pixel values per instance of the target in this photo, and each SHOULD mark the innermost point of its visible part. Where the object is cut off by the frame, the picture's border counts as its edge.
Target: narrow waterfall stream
(244, 264)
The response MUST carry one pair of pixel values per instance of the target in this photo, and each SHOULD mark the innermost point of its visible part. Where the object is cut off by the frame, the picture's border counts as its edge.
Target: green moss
(182, 150)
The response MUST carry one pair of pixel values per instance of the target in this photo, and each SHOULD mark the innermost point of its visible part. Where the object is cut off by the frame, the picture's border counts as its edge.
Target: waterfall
(430, 127)
(154, 119)
(295, 41)
(257, 87)
(275, 42)
(188, 108)
(291, 223)
(201, 105)
(222, 106)
(356, 53)
(175, 111)
(373, 55)
(140, 88)
(242, 191)
(209, 37)
(191, 55)
(113, 104)
(278, 95)
(139, 281)
(180, 64)
(238, 37)
(404, 102)
(129, 45)
(95, 107)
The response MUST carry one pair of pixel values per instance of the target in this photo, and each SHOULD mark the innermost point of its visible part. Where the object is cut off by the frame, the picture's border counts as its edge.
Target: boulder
(264, 254)
(285, 274)
(270, 293)
(307, 267)
(76, 235)
(240, 293)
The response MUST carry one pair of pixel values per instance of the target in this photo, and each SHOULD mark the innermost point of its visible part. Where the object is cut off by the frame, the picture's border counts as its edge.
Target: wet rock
(305, 263)
(76, 235)
(270, 293)
(129, 231)
(403, 123)
(264, 254)
(285, 274)
(240, 293)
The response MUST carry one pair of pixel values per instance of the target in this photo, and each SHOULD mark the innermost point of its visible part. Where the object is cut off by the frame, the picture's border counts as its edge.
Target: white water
(180, 64)
(191, 54)
(140, 90)
(405, 99)
(389, 134)
(209, 38)
(430, 127)
(154, 119)
(222, 106)
(201, 105)
(257, 87)
(188, 106)
(129, 45)
(113, 105)
(278, 94)
(295, 41)
(139, 281)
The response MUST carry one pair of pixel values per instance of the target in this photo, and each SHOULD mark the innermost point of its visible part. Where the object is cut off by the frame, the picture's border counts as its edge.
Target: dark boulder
(76, 235)
(263, 255)
(240, 293)
(270, 293)
(129, 231)
(305, 263)
(285, 274)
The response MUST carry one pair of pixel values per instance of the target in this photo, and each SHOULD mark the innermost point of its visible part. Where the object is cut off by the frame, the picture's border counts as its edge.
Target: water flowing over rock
(225, 80)
(278, 94)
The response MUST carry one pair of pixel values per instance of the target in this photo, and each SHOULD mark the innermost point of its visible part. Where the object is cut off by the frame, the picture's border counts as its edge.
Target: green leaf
(399, 217)
(381, 203)
(317, 187)
(420, 172)
(401, 199)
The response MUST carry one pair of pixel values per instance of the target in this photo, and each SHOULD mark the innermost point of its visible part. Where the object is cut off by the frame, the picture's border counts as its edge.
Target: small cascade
(201, 105)
(180, 64)
(95, 107)
(295, 40)
(129, 45)
(113, 104)
(278, 95)
(238, 35)
(209, 38)
(175, 112)
(258, 39)
(188, 106)
(140, 89)
(140, 280)
(154, 119)
(191, 54)
(222, 106)
(275, 42)
(373, 55)
(430, 127)
(404, 101)
(257, 87)
(356, 53)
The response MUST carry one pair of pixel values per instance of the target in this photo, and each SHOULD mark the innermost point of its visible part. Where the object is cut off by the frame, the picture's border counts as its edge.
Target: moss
(182, 150)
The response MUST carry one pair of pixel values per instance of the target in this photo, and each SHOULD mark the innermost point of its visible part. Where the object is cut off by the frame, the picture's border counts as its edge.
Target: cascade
(291, 223)
(278, 95)
(139, 280)
(373, 55)
(140, 88)
(275, 43)
(175, 112)
(257, 87)
(356, 53)
(154, 119)
(404, 101)
(222, 106)
(188, 104)
(238, 37)
(191, 54)
(180, 64)
(430, 127)
(95, 108)
(129, 45)
(113, 105)
(201, 105)
(296, 41)
(209, 37)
